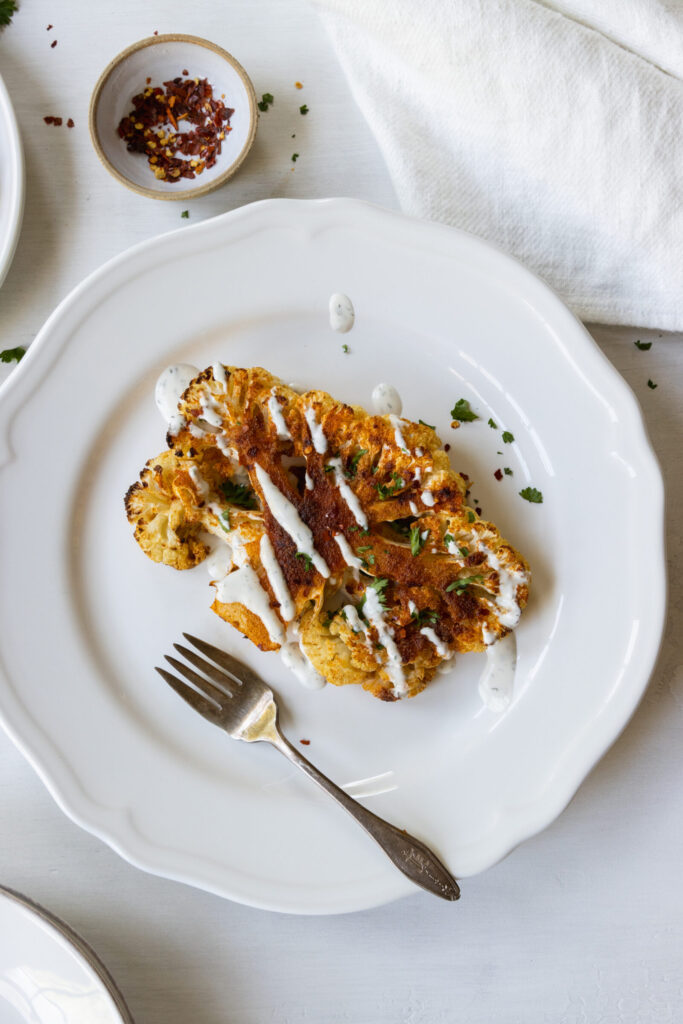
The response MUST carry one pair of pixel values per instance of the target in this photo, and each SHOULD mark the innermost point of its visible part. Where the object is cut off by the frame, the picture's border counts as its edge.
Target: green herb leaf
(303, 109)
(651, 384)
(643, 345)
(346, 349)
(508, 437)
(365, 547)
(239, 494)
(295, 157)
(8, 8)
(416, 541)
(532, 495)
(387, 491)
(448, 538)
(185, 214)
(266, 100)
(425, 616)
(463, 551)
(493, 424)
(12, 355)
(507, 471)
(353, 464)
(224, 519)
(328, 469)
(426, 424)
(462, 413)
(459, 586)
(379, 585)
(470, 516)
(307, 559)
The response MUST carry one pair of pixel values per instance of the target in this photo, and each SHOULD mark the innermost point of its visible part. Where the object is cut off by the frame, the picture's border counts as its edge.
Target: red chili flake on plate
(155, 32)
(147, 81)
(56, 121)
(498, 474)
(306, 743)
(464, 476)
(478, 510)
(446, 447)
(184, 72)
(53, 44)
(70, 123)
(48, 28)
(49, 120)
(299, 85)
(152, 127)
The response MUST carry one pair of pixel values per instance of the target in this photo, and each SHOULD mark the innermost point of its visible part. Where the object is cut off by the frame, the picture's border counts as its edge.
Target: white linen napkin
(553, 129)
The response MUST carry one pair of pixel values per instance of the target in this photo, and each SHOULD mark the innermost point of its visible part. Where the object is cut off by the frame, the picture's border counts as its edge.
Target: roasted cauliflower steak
(353, 549)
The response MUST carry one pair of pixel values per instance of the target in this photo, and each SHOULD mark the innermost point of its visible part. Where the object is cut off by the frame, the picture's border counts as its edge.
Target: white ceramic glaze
(444, 316)
(48, 975)
(162, 58)
(11, 182)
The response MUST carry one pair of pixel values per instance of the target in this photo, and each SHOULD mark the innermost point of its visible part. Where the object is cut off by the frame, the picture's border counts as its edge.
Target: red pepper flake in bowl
(70, 123)
(56, 121)
(153, 127)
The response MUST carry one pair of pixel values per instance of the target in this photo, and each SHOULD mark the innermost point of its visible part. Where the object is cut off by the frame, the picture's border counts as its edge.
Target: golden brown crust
(450, 576)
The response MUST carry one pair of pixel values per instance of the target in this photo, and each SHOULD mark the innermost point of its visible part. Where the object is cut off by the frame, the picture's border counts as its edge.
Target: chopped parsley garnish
(507, 471)
(416, 539)
(346, 349)
(532, 495)
(470, 516)
(185, 214)
(353, 464)
(425, 616)
(508, 437)
(370, 560)
(493, 424)
(386, 491)
(365, 547)
(7, 9)
(448, 538)
(462, 413)
(303, 109)
(643, 345)
(224, 519)
(379, 585)
(239, 494)
(426, 424)
(463, 551)
(295, 157)
(307, 559)
(651, 384)
(461, 585)
(11, 355)
(266, 101)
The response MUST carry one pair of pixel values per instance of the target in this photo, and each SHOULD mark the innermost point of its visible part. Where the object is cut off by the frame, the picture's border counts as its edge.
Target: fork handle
(410, 856)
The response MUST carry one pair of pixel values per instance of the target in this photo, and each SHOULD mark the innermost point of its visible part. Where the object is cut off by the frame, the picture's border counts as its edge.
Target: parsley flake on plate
(417, 541)
(8, 9)
(508, 438)
(426, 424)
(12, 355)
(651, 384)
(462, 413)
(644, 346)
(532, 495)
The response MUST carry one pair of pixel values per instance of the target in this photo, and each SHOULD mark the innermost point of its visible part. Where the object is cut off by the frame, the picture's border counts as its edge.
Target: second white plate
(439, 314)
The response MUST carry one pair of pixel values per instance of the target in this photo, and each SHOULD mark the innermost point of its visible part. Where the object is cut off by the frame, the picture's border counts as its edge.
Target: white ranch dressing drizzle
(222, 443)
(413, 507)
(497, 679)
(210, 411)
(398, 436)
(347, 493)
(220, 559)
(242, 586)
(196, 430)
(356, 624)
(169, 388)
(342, 313)
(386, 400)
(275, 410)
(419, 453)
(418, 475)
(427, 498)
(276, 578)
(317, 433)
(297, 661)
(199, 482)
(309, 482)
(347, 551)
(412, 607)
(219, 375)
(394, 665)
(440, 647)
(290, 520)
(509, 610)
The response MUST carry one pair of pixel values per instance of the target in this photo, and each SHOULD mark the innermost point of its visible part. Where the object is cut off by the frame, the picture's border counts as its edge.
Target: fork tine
(202, 684)
(225, 681)
(241, 673)
(190, 696)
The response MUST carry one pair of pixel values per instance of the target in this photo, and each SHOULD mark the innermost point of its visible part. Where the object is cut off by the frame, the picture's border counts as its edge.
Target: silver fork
(245, 708)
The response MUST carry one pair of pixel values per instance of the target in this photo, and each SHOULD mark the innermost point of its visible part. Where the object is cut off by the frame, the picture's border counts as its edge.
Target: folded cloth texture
(554, 129)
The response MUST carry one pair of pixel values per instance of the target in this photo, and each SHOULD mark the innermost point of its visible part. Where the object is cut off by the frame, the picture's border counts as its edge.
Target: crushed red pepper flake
(477, 510)
(498, 474)
(151, 127)
(48, 28)
(155, 32)
(56, 121)
(446, 447)
(70, 123)
(53, 44)
(299, 85)
(306, 743)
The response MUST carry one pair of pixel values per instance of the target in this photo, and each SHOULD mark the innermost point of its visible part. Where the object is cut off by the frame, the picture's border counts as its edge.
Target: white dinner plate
(84, 616)
(48, 974)
(11, 181)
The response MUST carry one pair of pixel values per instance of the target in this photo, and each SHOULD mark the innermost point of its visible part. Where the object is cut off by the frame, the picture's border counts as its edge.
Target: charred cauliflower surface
(403, 575)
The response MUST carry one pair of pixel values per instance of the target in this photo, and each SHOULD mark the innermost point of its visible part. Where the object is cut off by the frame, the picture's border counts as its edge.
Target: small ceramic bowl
(161, 58)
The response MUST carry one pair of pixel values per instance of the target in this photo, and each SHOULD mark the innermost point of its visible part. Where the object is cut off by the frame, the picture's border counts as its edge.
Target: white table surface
(580, 924)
